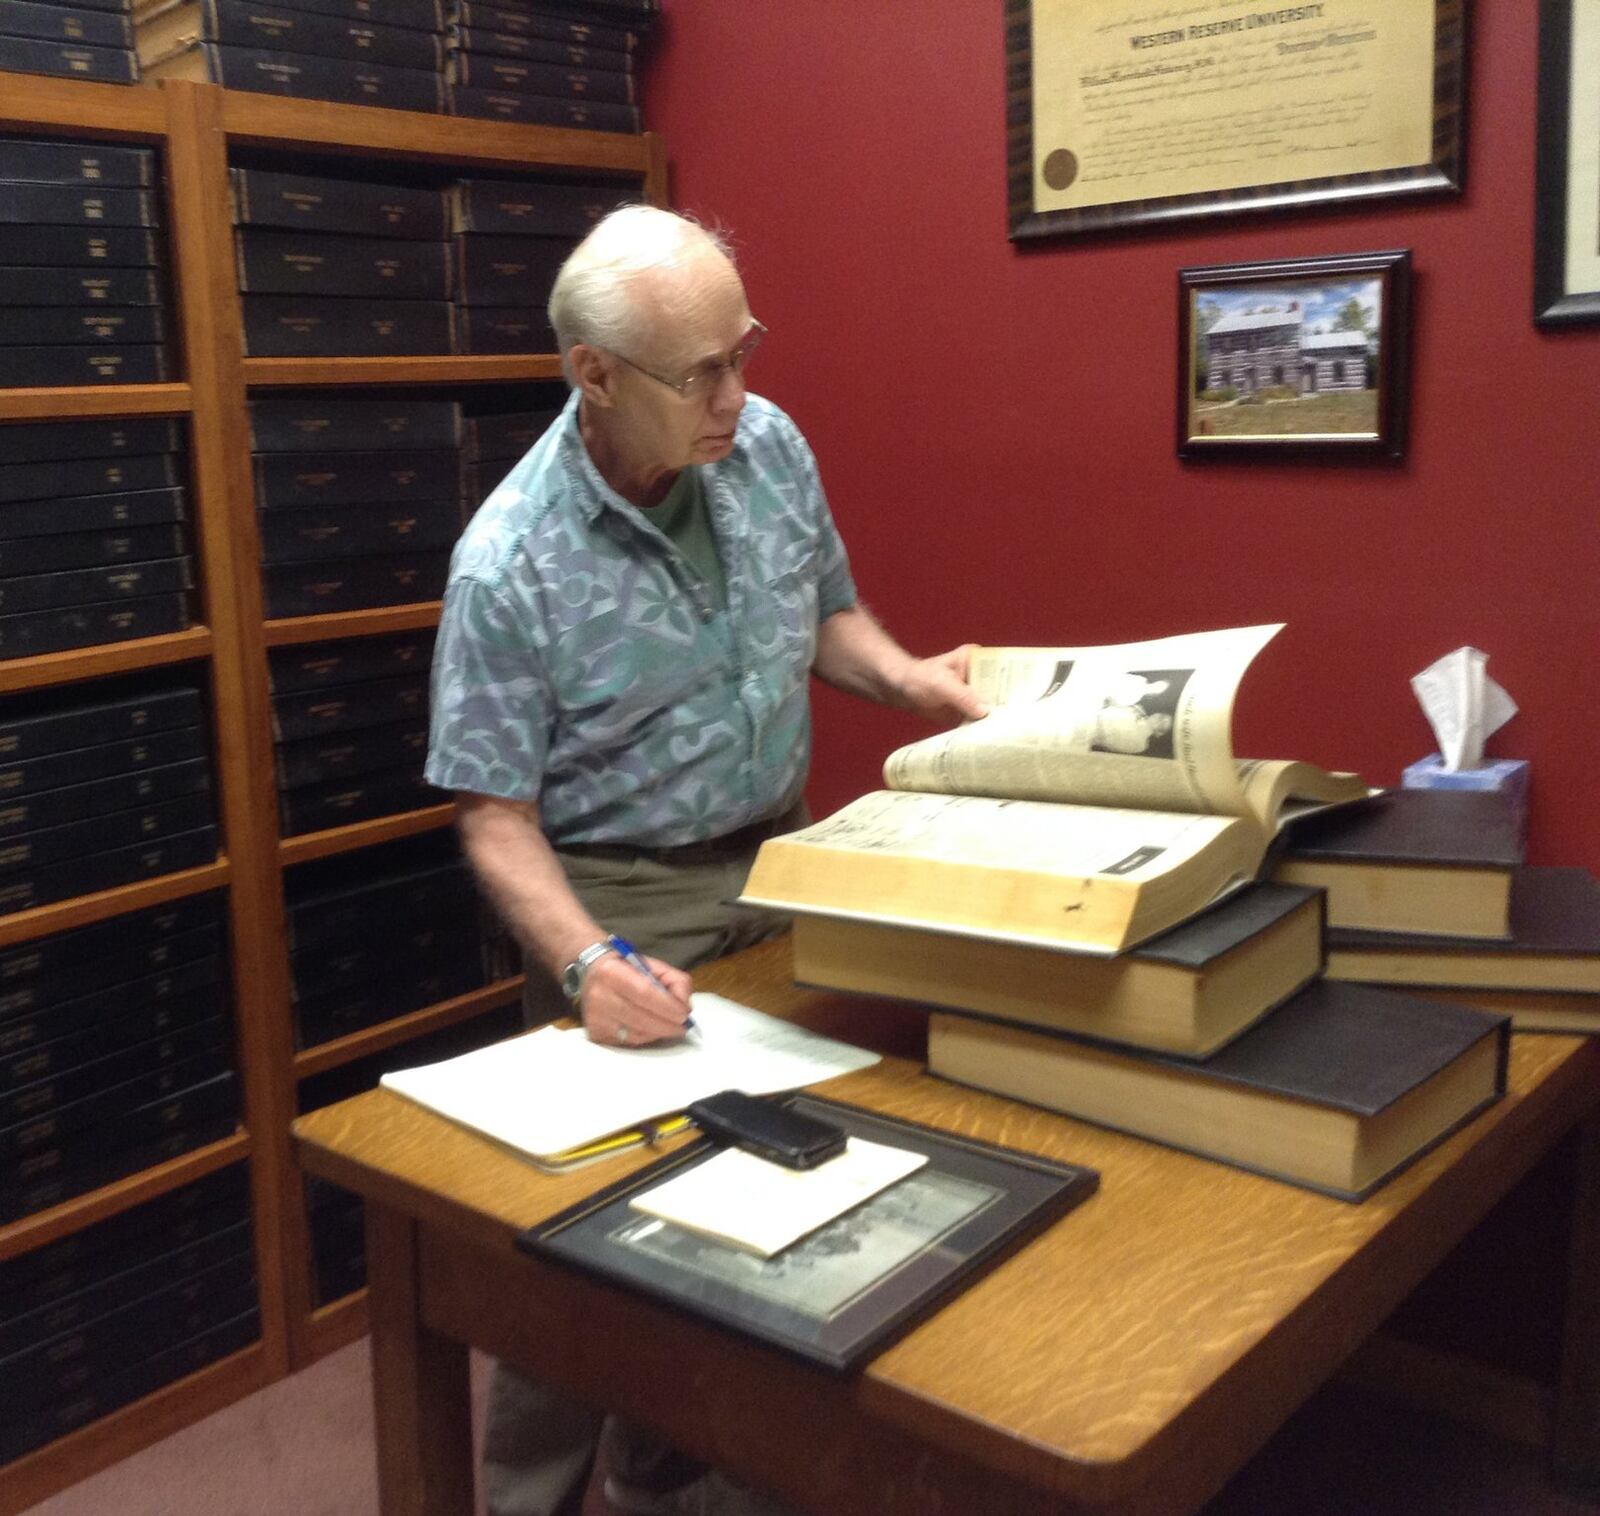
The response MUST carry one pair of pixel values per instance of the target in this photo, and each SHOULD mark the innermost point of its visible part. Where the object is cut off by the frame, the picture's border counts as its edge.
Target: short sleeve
(489, 732)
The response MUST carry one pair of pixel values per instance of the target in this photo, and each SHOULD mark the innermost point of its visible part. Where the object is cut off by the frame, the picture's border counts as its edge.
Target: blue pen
(629, 954)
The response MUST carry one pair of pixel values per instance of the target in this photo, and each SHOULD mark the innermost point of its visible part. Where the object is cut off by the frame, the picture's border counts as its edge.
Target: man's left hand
(937, 687)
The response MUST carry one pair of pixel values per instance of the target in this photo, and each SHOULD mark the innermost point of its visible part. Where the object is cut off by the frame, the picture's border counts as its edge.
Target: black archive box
(352, 660)
(38, 441)
(471, 39)
(520, 21)
(358, 531)
(131, 508)
(45, 883)
(508, 270)
(297, 480)
(315, 424)
(407, 948)
(92, 586)
(274, 261)
(535, 77)
(57, 326)
(70, 60)
(82, 550)
(324, 1018)
(97, 834)
(345, 707)
(303, 76)
(86, 289)
(503, 329)
(336, 899)
(288, 29)
(389, 792)
(29, 203)
(418, 15)
(265, 198)
(32, 632)
(32, 161)
(543, 110)
(133, 363)
(314, 326)
(64, 23)
(88, 246)
(101, 797)
(57, 721)
(311, 589)
(343, 755)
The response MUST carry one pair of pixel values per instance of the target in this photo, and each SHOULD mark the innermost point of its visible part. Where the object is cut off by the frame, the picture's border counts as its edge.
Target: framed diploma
(1566, 285)
(1302, 357)
(1137, 113)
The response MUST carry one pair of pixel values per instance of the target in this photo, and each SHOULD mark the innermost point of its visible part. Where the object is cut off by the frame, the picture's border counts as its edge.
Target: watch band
(577, 971)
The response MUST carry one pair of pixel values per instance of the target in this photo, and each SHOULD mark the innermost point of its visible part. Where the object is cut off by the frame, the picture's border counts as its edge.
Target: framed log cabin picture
(1567, 215)
(1126, 113)
(1306, 357)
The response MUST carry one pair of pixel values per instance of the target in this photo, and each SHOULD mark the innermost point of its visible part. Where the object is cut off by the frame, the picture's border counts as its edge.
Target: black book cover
(531, 23)
(417, 15)
(38, 1001)
(310, 589)
(274, 261)
(128, 937)
(64, 23)
(320, 665)
(40, 441)
(23, 160)
(432, 945)
(89, 289)
(339, 912)
(116, 621)
(87, 476)
(101, 1023)
(86, 513)
(264, 198)
(503, 438)
(349, 706)
(528, 208)
(39, 555)
(310, 326)
(388, 792)
(468, 39)
(1244, 915)
(69, 60)
(503, 329)
(89, 246)
(54, 721)
(543, 110)
(356, 531)
(29, 204)
(84, 587)
(314, 424)
(289, 30)
(121, 7)
(98, 834)
(337, 1015)
(1467, 828)
(22, 367)
(103, 759)
(518, 270)
(303, 76)
(104, 871)
(490, 71)
(321, 760)
(298, 481)
(145, 962)
(56, 325)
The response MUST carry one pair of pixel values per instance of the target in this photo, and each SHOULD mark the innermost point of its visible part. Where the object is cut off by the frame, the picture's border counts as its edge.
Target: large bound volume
(317, 807)
(37, 441)
(75, 162)
(272, 261)
(469, 39)
(92, 834)
(304, 76)
(357, 531)
(296, 480)
(313, 589)
(416, 15)
(34, 1016)
(86, 287)
(119, 6)
(319, 760)
(57, 325)
(323, 665)
(493, 438)
(104, 871)
(58, 721)
(508, 271)
(325, 1017)
(83, 587)
(503, 329)
(56, 23)
(315, 713)
(1411, 861)
(525, 208)
(22, 366)
(1336, 1090)
(52, 807)
(263, 198)
(406, 946)
(76, 205)
(489, 71)
(313, 424)
(71, 60)
(70, 550)
(309, 326)
(31, 632)
(171, 29)
(327, 910)
(32, 481)
(141, 940)
(529, 23)
(73, 246)
(101, 760)
(543, 110)
(44, 518)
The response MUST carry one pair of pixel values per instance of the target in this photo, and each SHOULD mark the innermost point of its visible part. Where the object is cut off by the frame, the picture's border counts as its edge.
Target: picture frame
(1116, 122)
(841, 1294)
(1567, 166)
(1296, 358)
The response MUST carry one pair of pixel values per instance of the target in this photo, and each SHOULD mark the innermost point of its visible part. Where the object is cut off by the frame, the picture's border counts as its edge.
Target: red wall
(995, 424)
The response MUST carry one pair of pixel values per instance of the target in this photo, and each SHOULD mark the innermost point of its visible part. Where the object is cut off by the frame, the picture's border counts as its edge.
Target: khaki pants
(539, 1443)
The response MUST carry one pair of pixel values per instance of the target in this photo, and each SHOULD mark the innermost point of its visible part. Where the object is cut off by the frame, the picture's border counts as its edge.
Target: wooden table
(1129, 1360)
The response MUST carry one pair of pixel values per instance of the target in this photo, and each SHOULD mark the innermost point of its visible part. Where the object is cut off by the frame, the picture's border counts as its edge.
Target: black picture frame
(1557, 300)
(1250, 385)
(1442, 173)
(840, 1295)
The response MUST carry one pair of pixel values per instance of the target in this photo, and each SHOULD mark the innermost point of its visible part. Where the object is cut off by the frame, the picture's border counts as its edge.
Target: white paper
(762, 1206)
(1464, 706)
(548, 1091)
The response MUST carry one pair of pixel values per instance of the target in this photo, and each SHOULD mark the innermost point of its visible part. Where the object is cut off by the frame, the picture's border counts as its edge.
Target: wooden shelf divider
(57, 402)
(78, 663)
(290, 630)
(29, 102)
(85, 910)
(436, 368)
(360, 834)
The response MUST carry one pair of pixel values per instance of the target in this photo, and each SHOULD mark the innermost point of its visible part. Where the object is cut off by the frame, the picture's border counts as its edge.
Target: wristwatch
(573, 975)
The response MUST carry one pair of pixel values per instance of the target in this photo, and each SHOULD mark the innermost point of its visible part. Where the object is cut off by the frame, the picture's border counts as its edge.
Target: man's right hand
(623, 1008)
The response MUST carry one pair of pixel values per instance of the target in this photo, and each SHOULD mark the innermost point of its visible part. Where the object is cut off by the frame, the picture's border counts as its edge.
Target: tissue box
(1509, 776)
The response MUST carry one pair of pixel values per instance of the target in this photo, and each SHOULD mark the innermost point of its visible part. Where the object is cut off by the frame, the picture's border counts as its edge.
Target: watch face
(572, 981)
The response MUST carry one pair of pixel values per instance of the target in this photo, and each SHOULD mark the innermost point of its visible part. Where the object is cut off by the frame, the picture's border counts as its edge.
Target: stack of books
(104, 784)
(1112, 963)
(93, 543)
(491, 444)
(555, 64)
(361, 52)
(340, 267)
(115, 1051)
(83, 295)
(81, 39)
(350, 722)
(108, 1315)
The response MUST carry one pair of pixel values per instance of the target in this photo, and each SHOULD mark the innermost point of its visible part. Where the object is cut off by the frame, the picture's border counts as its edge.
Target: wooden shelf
(440, 368)
(73, 1215)
(359, 834)
(80, 108)
(84, 910)
(66, 401)
(108, 658)
(335, 1325)
(387, 1034)
(292, 630)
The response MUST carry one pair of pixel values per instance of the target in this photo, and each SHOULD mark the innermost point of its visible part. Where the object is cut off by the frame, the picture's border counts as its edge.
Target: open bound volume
(1098, 804)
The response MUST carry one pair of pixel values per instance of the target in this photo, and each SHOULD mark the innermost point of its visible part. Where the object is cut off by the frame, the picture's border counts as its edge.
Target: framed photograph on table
(1297, 358)
(1566, 287)
(1124, 113)
(840, 1294)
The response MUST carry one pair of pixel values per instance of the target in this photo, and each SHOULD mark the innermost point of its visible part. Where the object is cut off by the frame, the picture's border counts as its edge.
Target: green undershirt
(682, 518)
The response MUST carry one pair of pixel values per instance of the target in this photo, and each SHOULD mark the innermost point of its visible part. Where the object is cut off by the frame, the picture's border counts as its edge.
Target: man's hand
(622, 1008)
(854, 653)
(937, 687)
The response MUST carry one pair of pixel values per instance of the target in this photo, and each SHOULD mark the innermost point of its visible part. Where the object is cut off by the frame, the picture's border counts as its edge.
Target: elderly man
(620, 703)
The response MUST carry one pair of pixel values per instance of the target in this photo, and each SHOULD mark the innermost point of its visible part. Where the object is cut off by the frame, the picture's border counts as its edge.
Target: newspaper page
(1143, 724)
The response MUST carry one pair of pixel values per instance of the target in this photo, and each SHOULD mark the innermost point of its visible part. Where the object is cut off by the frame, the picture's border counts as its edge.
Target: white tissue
(1464, 706)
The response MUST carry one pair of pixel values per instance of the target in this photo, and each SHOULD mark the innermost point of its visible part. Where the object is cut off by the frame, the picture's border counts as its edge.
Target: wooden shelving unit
(195, 127)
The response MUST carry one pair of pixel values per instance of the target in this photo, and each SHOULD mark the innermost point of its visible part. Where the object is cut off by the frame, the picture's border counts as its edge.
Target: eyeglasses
(702, 380)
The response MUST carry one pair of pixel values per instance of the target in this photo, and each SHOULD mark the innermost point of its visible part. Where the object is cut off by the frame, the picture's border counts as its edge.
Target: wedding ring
(622, 1034)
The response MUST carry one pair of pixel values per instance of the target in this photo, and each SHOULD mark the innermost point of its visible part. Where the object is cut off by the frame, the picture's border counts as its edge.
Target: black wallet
(769, 1131)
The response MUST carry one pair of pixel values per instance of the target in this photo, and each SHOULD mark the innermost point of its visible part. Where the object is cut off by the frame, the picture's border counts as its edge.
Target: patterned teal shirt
(583, 663)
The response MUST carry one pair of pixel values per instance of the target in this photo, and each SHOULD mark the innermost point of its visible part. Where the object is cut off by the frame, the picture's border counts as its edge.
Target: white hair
(593, 299)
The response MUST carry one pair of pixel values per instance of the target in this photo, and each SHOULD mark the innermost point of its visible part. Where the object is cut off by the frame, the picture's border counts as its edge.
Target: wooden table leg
(420, 1384)
(1575, 1446)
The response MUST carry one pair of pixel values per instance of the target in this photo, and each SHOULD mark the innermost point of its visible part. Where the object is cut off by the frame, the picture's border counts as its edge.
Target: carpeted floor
(303, 1447)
